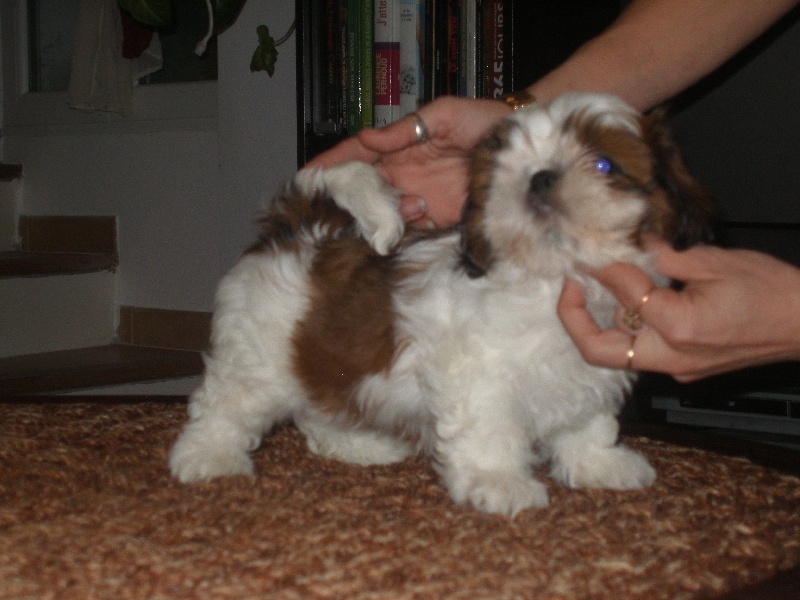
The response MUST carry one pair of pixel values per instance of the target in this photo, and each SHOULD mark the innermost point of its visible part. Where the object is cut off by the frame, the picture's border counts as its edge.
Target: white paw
(618, 468)
(357, 446)
(196, 457)
(382, 228)
(358, 188)
(500, 493)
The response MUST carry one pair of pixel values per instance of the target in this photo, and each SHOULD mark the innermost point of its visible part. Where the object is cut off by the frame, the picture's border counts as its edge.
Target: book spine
(327, 82)
(387, 62)
(429, 51)
(341, 65)
(367, 40)
(495, 48)
(352, 70)
(411, 76)
(440, 32)
(469, 39)
(453, 19)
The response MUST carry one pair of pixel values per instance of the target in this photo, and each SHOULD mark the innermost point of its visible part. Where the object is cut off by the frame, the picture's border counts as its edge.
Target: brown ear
(476, 250)
(682, 209)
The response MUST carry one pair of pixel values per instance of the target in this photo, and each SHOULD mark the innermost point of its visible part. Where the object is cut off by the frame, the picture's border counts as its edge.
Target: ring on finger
(633, 318)
(630, 353)
(420, 129)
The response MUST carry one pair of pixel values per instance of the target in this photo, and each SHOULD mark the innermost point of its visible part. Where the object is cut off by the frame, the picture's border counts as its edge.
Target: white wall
(183, 180)
(257, 120)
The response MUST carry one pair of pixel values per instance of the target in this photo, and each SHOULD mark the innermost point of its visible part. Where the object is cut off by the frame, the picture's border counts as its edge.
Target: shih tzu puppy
(378, 344)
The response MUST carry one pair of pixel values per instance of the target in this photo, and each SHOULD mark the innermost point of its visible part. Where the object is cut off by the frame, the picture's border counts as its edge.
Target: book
(352, 65)
(366, 49)
(386, 82)
(452, 45)
(326, 68)
(495, 48)
(412, 44)
(468, 39)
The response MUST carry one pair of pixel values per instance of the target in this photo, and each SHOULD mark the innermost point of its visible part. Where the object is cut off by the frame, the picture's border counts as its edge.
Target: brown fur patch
(633, 164)
(476, 250)
(290, 212)
(348, 332)
(679, 207)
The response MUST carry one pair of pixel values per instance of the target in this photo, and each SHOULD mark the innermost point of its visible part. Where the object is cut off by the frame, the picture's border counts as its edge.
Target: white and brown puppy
(378, 346)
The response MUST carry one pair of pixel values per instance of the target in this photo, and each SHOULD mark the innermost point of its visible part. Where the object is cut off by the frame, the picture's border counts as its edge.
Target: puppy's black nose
(543, 181)
(540, 191)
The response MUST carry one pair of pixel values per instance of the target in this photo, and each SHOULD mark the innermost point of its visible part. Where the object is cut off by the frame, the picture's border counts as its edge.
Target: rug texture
(88, 510)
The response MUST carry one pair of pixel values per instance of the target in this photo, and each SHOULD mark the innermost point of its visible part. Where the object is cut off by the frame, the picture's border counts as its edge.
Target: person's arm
(654, 49)
(737, 308)
(658, 48)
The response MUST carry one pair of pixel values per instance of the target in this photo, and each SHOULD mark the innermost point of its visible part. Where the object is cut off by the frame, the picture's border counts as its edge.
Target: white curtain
(101, 79)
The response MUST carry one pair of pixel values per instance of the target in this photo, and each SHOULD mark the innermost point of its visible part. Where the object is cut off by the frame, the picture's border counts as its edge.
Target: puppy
(378, 346)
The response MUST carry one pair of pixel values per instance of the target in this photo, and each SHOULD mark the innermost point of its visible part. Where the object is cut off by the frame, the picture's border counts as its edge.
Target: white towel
(101, 79)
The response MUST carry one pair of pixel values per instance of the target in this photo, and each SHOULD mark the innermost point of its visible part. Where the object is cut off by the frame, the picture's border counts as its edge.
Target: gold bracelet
(517, 100)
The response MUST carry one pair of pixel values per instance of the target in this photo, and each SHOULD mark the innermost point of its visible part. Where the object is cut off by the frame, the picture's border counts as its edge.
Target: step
(44, 314)
(53, 245)
(58, 290)
(38, 264)
(107, 365)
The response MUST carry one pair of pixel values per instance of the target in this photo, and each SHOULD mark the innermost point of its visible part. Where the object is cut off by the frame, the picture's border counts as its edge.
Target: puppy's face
(575, 182)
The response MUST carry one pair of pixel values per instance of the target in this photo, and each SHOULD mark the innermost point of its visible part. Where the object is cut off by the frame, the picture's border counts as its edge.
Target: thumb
(392, 137)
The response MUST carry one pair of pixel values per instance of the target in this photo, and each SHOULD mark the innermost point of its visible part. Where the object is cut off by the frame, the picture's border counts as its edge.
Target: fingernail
(413, 209)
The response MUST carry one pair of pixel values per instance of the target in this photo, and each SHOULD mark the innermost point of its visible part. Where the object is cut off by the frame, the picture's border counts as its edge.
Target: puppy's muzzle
(540, 191)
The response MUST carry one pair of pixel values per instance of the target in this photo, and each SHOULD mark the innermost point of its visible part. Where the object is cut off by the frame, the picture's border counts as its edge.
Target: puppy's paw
(383, 228)
(618, 468)
(197, 458)
(500, 493)
(358, 188)
(358, 446)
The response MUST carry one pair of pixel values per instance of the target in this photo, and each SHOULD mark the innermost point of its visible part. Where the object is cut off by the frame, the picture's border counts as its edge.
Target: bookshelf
(536, 36)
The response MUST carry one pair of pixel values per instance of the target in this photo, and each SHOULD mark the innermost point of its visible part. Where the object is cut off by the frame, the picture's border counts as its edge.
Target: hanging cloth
(101, 78)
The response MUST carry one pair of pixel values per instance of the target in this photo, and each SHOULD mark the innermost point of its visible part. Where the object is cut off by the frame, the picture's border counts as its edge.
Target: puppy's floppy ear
(476, 249)
(682, 210)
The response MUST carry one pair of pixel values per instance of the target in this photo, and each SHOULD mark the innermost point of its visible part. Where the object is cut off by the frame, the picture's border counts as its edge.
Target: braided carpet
(88, 510)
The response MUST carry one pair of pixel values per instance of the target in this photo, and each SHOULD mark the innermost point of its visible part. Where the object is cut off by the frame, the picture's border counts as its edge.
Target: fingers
(346, 150)
(395, 136)
(369, 144)
(597, 346)
(628, 284)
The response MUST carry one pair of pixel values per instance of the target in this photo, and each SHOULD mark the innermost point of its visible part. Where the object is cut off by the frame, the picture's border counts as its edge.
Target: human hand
(432, 174)
(737, 309)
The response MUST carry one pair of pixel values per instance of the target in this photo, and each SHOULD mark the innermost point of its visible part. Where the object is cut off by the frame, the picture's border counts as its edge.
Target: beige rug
(88, 510)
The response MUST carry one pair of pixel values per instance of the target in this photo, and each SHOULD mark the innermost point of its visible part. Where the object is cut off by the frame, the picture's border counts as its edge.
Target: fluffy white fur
(487, 382)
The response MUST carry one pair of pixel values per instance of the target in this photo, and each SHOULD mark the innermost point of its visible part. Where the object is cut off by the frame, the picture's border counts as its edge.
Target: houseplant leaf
(155, 13)
(266, 54)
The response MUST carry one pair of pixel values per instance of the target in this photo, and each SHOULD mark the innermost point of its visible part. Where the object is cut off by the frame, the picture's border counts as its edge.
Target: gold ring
(420, 129)
(633, 318)
(630, 354)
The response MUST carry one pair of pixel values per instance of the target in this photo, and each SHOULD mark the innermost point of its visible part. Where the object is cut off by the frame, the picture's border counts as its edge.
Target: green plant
(158, 13)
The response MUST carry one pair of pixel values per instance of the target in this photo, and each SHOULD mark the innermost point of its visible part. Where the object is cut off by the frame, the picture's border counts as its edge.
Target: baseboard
(95, 235)
(162, 328)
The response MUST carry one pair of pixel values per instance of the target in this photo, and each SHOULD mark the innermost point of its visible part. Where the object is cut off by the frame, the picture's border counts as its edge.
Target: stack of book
(375, 61)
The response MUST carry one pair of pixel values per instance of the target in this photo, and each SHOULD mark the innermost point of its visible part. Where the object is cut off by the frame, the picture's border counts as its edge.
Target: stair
(58, 318)
(57, 291)
(88, 368)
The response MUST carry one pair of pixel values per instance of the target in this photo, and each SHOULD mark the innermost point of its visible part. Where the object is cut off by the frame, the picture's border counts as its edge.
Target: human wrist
(519, 99)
